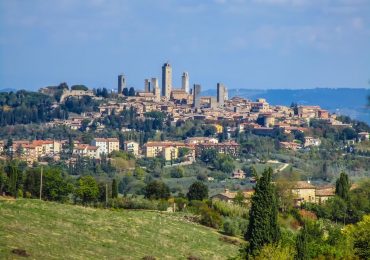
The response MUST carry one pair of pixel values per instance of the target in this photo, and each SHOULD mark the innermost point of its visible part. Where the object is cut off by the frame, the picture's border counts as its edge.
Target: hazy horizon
(249, 44)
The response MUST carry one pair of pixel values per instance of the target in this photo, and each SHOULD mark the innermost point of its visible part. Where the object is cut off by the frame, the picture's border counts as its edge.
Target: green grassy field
(49, 230)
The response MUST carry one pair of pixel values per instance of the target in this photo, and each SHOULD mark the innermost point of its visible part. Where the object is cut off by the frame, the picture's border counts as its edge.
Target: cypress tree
(301, 244)
(342, 186)
(263, 227)
(114, 189)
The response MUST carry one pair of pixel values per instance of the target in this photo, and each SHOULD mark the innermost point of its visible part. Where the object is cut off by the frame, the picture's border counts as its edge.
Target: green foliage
(239, 198)
(210, 217)
(177, 172)
(230, 209)
(302, 244)
(360, 234)
(235, 226)
(114, 189)
(263, 227)
(79, 87)
(197, 191)
(87, 189)
(342, 186)
(276, 252)
(156, 190)
(321, 239)
(181, 203)
(24, 107)
(222, 162)
(183, 151)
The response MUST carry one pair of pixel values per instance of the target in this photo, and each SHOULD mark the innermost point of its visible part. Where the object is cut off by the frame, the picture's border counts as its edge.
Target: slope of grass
(49, 230)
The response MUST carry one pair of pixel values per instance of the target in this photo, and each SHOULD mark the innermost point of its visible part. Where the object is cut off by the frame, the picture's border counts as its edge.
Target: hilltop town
(175, 106)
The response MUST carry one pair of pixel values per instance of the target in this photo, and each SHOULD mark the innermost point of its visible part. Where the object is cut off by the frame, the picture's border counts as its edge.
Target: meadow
(48, 230)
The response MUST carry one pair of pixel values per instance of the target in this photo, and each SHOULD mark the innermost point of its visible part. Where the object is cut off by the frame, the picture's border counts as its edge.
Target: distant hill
(8, 90)
(346, 101)
(47, 230)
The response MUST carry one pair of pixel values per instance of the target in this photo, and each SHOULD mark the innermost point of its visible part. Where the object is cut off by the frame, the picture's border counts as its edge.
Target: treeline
(24, 107)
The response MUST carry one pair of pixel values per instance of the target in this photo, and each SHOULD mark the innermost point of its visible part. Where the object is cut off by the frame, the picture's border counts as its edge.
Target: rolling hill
(46, 230)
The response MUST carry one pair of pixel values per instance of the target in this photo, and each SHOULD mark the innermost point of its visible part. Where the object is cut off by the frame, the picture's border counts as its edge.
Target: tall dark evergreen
(263, 227)
(114, 189)
(342, 186)
(301, 244)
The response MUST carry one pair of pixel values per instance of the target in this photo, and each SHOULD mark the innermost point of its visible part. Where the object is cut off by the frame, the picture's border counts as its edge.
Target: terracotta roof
(324, 192)
(221, 144)
(164, 144)
(303, 185)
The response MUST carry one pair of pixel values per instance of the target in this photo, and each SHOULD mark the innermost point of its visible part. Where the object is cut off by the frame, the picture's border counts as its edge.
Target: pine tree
(114, 189)
(263, 227)
(342, 186)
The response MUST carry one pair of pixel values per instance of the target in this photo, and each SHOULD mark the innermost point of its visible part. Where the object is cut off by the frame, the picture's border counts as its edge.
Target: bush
(230, 228)
(138, 203)
(229, 209)
(235, 226)
(177, 172)
(210, 218)
(181, 203)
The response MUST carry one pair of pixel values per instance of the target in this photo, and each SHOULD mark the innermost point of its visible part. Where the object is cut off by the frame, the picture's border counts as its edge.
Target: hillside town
(178, 105)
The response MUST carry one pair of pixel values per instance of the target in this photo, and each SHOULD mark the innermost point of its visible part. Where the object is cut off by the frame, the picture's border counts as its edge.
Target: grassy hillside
(52, 231)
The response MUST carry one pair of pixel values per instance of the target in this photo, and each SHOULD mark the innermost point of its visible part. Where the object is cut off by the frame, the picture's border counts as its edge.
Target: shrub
(210, 218)
(229, 209)
(181, 203)
(235, 226)
(230, 228)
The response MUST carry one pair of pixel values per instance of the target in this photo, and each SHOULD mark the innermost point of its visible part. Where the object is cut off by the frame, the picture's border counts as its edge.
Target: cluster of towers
(152, 86)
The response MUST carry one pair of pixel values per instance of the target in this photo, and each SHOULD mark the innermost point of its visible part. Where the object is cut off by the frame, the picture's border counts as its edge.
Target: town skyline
(245, 44)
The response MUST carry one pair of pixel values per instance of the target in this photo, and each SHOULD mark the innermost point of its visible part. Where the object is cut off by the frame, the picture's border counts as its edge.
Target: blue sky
(242, 43)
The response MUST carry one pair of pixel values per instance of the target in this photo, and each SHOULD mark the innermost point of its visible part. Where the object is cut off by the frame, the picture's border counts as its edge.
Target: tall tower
(185, 82)
(147, 85)
(166, 80)
(196, 95)
(156, 90)
(221, 91)
(121, 83)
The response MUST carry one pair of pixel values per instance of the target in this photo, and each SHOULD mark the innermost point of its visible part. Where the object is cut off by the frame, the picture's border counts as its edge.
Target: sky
(255, 44)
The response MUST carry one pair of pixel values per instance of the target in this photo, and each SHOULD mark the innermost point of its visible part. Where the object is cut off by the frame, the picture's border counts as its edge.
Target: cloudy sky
(242, 43)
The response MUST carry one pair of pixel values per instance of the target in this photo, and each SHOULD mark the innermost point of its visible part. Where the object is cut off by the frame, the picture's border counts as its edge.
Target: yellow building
(304, 192)
(166, 149)
(131, 147)
(219, 128)
(170, 153)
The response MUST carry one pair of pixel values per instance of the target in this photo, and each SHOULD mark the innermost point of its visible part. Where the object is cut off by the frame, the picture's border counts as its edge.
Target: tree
(9, 148)
(125, 92)
(114, 189)
(87, 189)
(342, 186)
(263, 227)
(239, 198)
(156, 190)
(301, 244)
(177, 172)
(361, 237)
(55, 187)
(210, 130)
(197, 191)
(131, 92)
(208, 155)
